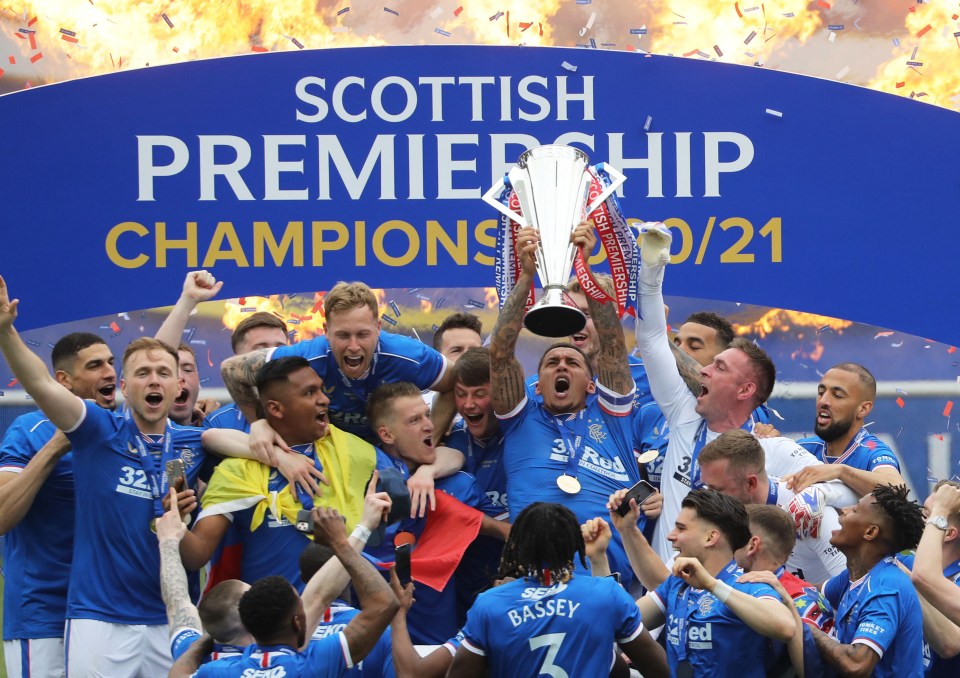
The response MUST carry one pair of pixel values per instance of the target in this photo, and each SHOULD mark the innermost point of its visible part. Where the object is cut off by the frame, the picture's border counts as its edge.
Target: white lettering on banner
(317, 167)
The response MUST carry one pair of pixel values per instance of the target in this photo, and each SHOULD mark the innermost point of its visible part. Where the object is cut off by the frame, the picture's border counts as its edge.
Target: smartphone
(641, 491)
(175, 474)
(402, 557)
(304, 521)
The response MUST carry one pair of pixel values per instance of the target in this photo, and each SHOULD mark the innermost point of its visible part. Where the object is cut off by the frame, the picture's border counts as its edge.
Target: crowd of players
(755, 555)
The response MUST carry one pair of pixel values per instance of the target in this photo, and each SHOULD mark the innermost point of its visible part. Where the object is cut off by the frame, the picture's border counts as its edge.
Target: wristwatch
(938, 522)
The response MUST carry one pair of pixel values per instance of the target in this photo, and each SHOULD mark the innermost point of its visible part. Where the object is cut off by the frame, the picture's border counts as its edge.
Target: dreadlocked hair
(904, 516)
(544, 537)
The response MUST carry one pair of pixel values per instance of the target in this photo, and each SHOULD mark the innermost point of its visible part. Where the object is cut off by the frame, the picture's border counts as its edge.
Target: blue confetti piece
(496, 16)
(293, 321)
(593, 43)
(835, 27)
(104, 327)
(31, 342)
(204, 380)
(442, 32)
(66, 32)
(440, 301)
(414, 290)
(192, 331)
(825, 328)
(638, 31)
(198, 342)
(475, 304)
(608, 44)
(436, 327)
(915, 63)
(296, 42)
(51, 344)
(584, 2)
(343, 11)
(391, 11)
(896, 42)
(167, 19)
(1, 393)
(395, 309)
(248, 309)
(27, 31)
(388, 319)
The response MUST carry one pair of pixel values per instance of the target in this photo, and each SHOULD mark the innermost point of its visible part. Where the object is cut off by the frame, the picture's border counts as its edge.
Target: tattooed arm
(850, 660)
(506, 373)
(181, 612)
(239, 374)
(688, 368)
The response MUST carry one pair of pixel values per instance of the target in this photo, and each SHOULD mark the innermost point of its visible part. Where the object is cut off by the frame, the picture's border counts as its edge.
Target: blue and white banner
(291, 171)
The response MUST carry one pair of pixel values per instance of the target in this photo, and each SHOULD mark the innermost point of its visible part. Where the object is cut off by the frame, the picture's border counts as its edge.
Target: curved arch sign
(289, 171)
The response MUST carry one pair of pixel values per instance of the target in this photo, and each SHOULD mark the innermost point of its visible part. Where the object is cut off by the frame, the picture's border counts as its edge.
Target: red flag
(450, 529)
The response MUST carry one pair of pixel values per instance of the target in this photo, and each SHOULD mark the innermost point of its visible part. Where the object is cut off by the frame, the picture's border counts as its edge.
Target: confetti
(856, 24)
(475, 304)
(750, 37)
(901, 392)
(900, 402)
(915, 63)
(639, 31)
(414, 290)
(440, 302)
(2, 72)
(789, 15)
(913, 54)
(31, 342)
(198, 342)
(823, 3)
(167, 19)
(36, 57)
(948, 408)
(923, 30)
(883, 334)
(388, 319)
(457, 11)
(835, 27)
(258, 48)
(415, 333)
(647, 123)
(395, 309)
(436, 327)
(296, 42)
(13, 382)
(897, 345)
(716, 48)
(589, 24)
(293, 321)
(691, 52)
(825, 328)
(900, 84)
(496, 16)
(833, 36)
(248, 309)
(442, 32)
(774, 113)
(391, 11)
(209, 359)
(952, 349)
(343, 11)
(568, 66)
(896, 42)
(593, 43)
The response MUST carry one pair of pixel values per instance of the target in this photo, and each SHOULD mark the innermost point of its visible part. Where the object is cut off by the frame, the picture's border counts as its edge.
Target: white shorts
(33, 658)
(98, 649)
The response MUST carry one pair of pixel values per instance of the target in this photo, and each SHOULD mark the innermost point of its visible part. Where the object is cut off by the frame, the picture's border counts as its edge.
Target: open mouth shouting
(182, 397)
(580, 339)
(154, 399)
(107, 394)
(561, 385)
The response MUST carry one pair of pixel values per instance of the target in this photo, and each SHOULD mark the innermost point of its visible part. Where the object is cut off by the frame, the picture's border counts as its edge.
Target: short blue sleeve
(18, 445)
(626, 611)
(879, 620)
(325, 656)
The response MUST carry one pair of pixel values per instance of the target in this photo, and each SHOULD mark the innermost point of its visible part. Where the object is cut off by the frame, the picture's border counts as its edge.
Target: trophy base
(555, 315)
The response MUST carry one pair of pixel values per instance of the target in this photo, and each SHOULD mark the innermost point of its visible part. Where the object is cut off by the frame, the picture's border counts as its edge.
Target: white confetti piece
(842, 73)
(774, 113)
(568, 66)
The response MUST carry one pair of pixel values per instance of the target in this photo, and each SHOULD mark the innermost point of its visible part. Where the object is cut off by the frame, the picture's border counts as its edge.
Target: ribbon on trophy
(506, 263)
(620, 244)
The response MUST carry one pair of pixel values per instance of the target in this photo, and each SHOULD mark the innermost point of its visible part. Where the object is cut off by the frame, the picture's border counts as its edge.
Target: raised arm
(377, 602)
(927, 573)
(191, 660)
(613, 367)
(181, 613)
(198, 287)
(239, 374)
(18, 490)
(644, 561)
(506, 373)
(62, 407)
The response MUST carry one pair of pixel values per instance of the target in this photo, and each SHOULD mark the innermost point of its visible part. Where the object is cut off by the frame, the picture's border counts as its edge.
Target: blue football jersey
(183, 639)
(865, 452)
(701, 630)
(38, 551)
(535, 454)
(397, 358)
(328, 657)
(880, 610)
(228, 416)
(116, 562)
(524, 628)
(483, 459)
(378, 663)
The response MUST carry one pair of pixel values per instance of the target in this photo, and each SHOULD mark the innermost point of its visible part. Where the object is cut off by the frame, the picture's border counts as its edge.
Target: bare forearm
(928, 577)
(448, 462)
(173, 325)
(688, 368)
(852, 660)
(191, 660)
(20, 489)
(766, 617)
(498, 529)
(941, 633)
(612, 365)
(240, 377)
(864, 482)
(600, 564)
(506, 373)
(173, 588)
(324, 586)
(645, 562)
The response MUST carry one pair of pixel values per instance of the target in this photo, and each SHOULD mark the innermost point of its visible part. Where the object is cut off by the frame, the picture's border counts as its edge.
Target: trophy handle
(618, 180)
(490, 198)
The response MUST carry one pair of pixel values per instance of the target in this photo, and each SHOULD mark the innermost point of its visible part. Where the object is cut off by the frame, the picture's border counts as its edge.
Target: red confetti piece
(36, 57)
(69, 38)
(948, 408)
(939, 435)
(912, 9)
(955, 17)
(923, 30)
(824, 4)
(11, 59)
(900, 84)
(32, 22)
(900, 402)
(258, 48)
(736, 6)
(883, 334)
(952, 349)
(20, 35)
(13, 382)
(33, 41)
(115, 327)
(524, 25)
(176, 49)
(457, 11)
(209, 359)
(242, 301)
(691, 52)
(631, 48)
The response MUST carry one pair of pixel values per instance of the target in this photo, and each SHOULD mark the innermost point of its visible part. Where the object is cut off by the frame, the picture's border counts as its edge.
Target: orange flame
(490, 297)
(780, 320)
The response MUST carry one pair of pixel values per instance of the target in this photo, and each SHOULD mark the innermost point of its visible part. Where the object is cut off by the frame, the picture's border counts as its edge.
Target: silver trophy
(553, 187)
